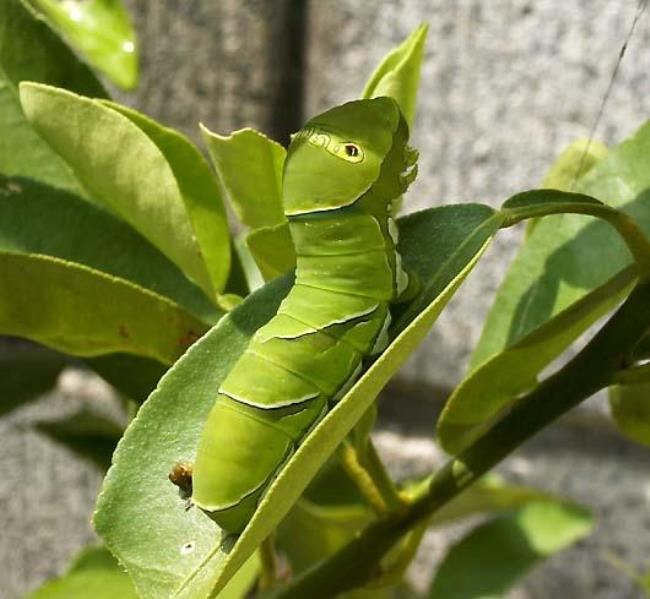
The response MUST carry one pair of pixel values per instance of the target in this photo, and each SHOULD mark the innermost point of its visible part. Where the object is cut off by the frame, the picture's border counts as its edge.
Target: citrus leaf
(398, 75)
(249, 165)
(490, 494)
(94, 572)
(168, 425)
(84, 312)
(330, 512)
(123, 169)
(574, 162)
(136, 487)
(494, 556)
(568, 255)
(630, 406)
(98, 584)
(488, 392)
(39, 219)
(569, 272)
(102, 31)
(199, 189)
(30, 50)
(93, 557)
(272, 250)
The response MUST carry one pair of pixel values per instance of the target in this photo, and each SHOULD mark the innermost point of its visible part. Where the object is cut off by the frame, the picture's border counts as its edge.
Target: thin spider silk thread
(640, 9)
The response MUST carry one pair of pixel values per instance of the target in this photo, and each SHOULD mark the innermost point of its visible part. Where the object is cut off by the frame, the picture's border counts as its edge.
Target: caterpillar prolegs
(342, 171)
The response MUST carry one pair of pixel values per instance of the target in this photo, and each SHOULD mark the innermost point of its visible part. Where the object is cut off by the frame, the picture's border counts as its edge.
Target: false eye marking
(353, 152)
(347, 150)
(333, 144)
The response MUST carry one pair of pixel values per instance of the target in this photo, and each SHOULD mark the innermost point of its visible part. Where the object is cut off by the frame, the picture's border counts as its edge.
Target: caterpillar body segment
(342, 172)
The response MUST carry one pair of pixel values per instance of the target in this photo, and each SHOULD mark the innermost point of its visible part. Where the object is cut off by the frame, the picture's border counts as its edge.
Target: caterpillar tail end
(234, 519)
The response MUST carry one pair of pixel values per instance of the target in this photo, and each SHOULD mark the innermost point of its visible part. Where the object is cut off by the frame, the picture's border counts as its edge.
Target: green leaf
(398, 74)
(93, 573)
(536, 314)
(488, 392)
(30, 50)
(98, 584)
(241, 583)
(93, 557)
(490, 494)
(124, 170)
(630, 406)
(574, 162)
(26, 371)
(313, 531)
(249, 165)
(494, 556)
(137, 488)
(435, 245)
(327, 516)
(84, 312)
(168, 425)
(199, 189)
(36, 218)
(568, 255)
(102, 31)
(86, 433)
(272, 250)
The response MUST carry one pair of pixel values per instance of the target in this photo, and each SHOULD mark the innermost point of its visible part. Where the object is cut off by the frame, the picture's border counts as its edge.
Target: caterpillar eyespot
(351, 150)
(342, 171)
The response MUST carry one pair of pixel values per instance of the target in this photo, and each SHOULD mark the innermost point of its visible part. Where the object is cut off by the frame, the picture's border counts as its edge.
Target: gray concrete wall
(226, 64)
(506, 84)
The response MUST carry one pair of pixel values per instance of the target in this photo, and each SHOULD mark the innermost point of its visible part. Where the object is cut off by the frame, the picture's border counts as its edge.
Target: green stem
(370, 478)
(592, 369)
(384, 483)
(269, 563)
(400, 560)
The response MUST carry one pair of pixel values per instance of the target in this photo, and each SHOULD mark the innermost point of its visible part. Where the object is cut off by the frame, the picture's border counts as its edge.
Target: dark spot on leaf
(123, 332)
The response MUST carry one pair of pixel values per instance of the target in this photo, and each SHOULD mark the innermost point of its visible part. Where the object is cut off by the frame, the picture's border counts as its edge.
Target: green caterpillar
(343, 170)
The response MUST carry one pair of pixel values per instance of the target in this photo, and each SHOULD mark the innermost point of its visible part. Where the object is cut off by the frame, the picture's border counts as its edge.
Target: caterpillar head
(356, 152)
